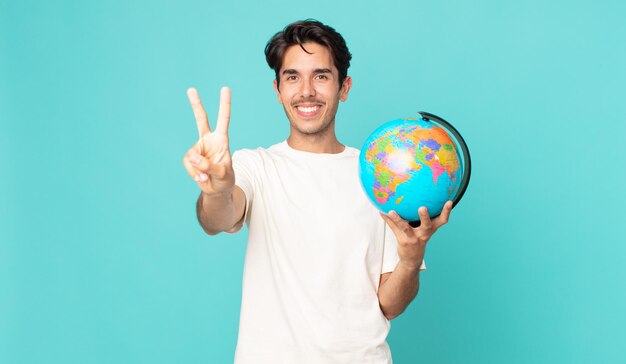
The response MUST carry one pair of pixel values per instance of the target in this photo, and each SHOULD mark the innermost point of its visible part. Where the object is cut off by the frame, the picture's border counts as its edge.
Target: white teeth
(308, 109)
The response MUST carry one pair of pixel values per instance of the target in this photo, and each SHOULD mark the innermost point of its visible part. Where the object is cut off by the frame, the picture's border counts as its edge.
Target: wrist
(217, 194)
(209, 200)
(410, 267)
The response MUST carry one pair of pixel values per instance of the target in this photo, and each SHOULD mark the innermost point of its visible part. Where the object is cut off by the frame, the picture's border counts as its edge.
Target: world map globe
(414, 162)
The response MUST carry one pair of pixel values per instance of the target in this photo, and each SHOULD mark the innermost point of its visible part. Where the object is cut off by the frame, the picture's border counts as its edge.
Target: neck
(315, 143)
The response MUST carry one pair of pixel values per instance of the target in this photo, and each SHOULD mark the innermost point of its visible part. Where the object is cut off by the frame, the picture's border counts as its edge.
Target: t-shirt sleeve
(244, 165)
(390, 252)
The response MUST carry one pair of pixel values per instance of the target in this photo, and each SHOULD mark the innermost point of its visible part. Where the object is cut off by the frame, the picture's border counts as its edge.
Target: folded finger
(199, 162)
(197, 175)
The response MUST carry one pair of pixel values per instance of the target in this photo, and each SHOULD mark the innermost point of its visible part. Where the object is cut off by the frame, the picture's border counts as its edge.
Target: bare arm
(398, 288)
(221, 204)
(222, 211)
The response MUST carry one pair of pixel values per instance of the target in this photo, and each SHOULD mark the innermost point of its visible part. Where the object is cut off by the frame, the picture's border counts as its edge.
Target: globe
(414, 162)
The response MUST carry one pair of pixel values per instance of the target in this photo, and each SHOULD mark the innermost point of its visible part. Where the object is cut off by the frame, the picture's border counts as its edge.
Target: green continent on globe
(403, 150)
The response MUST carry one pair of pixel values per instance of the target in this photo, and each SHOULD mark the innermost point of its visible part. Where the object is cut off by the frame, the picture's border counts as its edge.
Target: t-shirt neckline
(285, 147)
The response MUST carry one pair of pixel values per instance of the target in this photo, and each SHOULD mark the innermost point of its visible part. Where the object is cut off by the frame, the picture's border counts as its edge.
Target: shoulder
(351, 151)
(246, 153)
(252, 153)
(255, 157)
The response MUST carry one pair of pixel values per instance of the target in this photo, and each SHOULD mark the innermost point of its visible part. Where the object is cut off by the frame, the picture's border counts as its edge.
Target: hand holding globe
(412, 240)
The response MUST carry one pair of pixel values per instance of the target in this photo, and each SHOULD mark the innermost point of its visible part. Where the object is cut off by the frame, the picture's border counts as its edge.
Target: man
(323, 273)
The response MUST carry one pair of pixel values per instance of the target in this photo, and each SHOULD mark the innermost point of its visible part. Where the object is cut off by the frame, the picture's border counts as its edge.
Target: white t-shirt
(316, 250)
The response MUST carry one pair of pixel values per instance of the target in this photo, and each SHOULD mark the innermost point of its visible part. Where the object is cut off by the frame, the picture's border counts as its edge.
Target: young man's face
(309, 88)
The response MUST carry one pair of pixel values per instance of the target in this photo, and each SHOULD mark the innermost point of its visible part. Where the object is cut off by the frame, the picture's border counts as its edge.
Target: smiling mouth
(308, 109)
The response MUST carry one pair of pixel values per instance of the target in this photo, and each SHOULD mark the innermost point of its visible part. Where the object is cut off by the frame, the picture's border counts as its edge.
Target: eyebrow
(291, 71)
(322, 70)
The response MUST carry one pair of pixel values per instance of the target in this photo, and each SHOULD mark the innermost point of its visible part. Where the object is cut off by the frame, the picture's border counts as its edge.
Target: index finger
(397, 231)
(198, 111)
(401, 223)
(223, 115)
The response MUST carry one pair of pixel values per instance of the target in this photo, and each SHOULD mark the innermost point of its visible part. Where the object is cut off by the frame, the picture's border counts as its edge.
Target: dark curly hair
(303, 31)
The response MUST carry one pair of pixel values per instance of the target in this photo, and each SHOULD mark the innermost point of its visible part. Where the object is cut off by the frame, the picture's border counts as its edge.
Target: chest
(315, 191)
(320, 218)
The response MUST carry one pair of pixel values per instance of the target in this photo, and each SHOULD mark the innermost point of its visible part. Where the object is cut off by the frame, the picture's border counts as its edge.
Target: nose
(308, 88)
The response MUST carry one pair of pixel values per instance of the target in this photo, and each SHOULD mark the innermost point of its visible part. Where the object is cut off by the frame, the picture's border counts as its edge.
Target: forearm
(395, 294)
(217, 212)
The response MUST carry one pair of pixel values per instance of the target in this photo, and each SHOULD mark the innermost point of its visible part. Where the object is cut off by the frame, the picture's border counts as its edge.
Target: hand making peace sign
(209, 161)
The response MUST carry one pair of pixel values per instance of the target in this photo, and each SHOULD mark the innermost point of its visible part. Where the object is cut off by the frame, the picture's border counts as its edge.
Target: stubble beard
(318, 131)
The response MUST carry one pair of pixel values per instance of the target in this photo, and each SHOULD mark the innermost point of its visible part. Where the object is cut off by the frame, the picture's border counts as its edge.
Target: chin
(311, 129)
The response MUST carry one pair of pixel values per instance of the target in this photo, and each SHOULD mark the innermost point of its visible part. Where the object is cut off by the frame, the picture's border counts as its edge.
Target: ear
(345, 88)
(280, 99)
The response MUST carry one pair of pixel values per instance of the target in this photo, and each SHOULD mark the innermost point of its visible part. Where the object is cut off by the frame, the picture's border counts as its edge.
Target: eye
(291, 78)
(322, 77)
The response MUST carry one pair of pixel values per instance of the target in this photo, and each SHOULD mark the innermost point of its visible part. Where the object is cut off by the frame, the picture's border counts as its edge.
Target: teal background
(101, 257)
